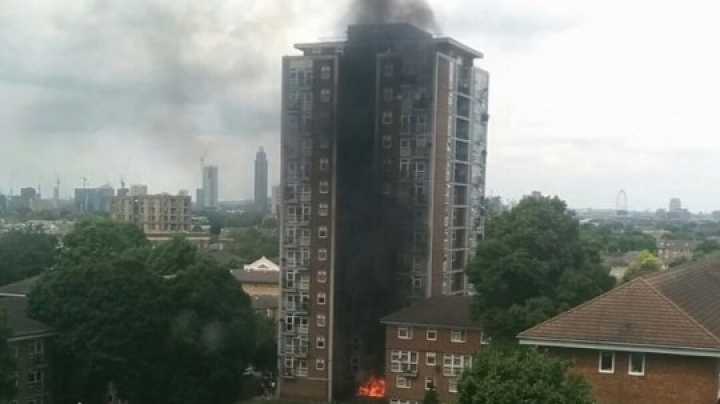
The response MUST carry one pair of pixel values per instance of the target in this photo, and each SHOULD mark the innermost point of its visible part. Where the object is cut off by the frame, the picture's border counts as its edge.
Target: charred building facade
(384, 140)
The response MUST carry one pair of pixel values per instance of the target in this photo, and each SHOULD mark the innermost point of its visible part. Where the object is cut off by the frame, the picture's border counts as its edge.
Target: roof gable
(262, 264)
(634, 313)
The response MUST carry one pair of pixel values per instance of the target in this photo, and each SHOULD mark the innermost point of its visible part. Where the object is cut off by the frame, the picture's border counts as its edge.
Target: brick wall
(304, 389)
(419, 343)
(668, 379)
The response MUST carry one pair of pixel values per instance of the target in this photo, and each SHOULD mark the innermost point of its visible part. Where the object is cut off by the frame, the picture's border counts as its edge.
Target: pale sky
(586, 97)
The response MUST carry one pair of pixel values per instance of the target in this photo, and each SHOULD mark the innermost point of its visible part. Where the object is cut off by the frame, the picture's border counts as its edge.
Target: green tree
(96, 238)
(253, 243)
(520, 375)
(25, 253)
(172, 257)
(532, 266)
(645, 263)
(265, 355)
(179, 339)
(7, 362)
(707, 247)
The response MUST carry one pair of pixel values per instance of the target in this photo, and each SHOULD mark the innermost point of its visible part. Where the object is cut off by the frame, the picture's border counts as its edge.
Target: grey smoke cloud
(416, 12)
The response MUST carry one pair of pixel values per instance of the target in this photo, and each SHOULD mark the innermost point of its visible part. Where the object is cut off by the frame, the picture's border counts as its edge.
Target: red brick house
(429, 344)
(652, 340)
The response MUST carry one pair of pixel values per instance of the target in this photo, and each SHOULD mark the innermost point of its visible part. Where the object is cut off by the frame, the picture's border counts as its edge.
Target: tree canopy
(164, 325)
(520, 375)
(645, 263)
(532, 266)
(7, 362)
(617, 238)
(25, 253)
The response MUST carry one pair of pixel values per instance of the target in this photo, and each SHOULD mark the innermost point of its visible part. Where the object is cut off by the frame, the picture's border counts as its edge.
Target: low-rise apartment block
(154, 213)
(429, 344)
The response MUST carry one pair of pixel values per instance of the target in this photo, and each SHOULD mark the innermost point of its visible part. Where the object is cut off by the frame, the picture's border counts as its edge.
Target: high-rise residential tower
(383, 178)
(209, 187)
(261, 181)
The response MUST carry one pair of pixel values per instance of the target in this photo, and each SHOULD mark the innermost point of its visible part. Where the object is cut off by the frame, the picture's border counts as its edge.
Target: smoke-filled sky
(587, 97)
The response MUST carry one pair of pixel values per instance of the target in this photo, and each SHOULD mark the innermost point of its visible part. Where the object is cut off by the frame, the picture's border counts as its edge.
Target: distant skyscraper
(210, 187)
(675, 205)
(261, 180)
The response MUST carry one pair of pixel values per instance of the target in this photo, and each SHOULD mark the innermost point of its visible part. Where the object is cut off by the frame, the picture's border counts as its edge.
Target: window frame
(321, 298)
(630, 364)
(321, 321)
(320, 365)
(406, 384)
(432, 331)
(612, 362)
(320, 342)
(408, 334)
(429, 355)
(458, 336)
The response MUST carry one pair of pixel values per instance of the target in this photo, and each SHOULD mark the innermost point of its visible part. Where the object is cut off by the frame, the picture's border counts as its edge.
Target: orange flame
(372, 387)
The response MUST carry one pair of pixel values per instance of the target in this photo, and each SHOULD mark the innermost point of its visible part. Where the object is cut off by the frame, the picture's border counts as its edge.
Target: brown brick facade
(668, 379)
(419, 343)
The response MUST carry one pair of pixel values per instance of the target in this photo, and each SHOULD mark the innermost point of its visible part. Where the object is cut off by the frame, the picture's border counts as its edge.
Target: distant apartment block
(94, 199)
(138, 190)
(383, 179)
(261, 181)
(154, 213)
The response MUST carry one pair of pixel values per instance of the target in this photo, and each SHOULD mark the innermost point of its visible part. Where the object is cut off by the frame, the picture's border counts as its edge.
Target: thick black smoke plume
(416, 12)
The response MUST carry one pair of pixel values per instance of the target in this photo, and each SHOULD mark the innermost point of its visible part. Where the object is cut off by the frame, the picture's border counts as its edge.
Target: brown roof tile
(679, 308)
(441, 311)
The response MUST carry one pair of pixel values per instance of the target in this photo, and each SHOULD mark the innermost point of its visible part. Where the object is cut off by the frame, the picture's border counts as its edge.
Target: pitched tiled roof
(258, 277)
(676, 309)
(441, 311)
(20, 288)
(265, 302)
(18, 320)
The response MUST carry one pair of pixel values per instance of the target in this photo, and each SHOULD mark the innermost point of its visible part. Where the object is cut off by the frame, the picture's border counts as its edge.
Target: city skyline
(580, 107)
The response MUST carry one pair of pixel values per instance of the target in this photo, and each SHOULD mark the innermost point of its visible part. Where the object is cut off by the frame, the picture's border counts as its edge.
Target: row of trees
(25, 253)
(163, 325)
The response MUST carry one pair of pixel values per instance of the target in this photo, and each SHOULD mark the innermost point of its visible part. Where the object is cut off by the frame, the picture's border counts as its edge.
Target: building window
(319, 364)
(452, 385)
(432, 334)
(323, 209)
(320, 342)
(388, 70)
(405, 333)
(322, 276)
(430, 358)
(402, 382)
(429, 383)
(386, 141)
(458, 336)
(324, 187)
(387, 118)
(636, 364)
(322, 232)
(607, 362)
(302, 368)
(454, 365)
(324, 163)
(388, 94)
(320, 320)
(325, 72)
(325, 95)
(322, 254)
(354, 363)
(404, 361)
(321, 298)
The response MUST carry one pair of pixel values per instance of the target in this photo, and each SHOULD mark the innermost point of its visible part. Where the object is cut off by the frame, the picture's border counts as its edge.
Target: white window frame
(404, 332)
(387, 118)
(612, 362)
(386, 141)
(324, 163)
(321, 320)
(430, 383)
(430, 358)
(320, 364)
(321, 298)
(302, 367)
(322, 276)
(431, 334)
(320, 342)
(455, 364)
(325, 95)
(402, 361)
(630, 363)
(403, 382)
(323, 209)
(458, 336)
(452, 385)
(322, 232)
(324, 187)
(322, 254)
